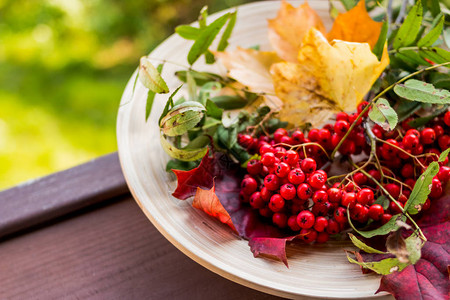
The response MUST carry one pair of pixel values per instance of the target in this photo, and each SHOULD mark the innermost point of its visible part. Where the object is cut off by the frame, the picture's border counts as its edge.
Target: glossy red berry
(265, 194)
(278, 134)
(385, 218)
(320, 197)
(296, 176)
(376, 211)
(265, 148)
(340, 215)
(280, 220)
(305, 219)
(348, 199)
(245, 140)
(324, 136)
(308, 165)
(268, 159)
(308, 235)
(266, 212)
(341, 127)
(365, 196)
(256, 201)
(333, 227)
(436, 188)
(304, 191)
(313, 135)
(334, 195)
(317, 180)
(287, 140)
(276, 203)
(407, 171)
(444, 142)
(291, 157)
(288, 191)
(439, 130)
(292, 223)
(254, 167)
(410, 141)
(322, 237)
(298, 137)
(447, 118)
(444, 174)
(272, 182)
(342, 116)
(428, 136)
(320, 224)
(282, 169)
(249, 185)
(360, 179)
(393, 189)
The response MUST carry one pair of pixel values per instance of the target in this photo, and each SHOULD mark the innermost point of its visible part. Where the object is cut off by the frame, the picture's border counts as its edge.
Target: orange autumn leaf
(288, 28)
(327, 78)
(356, 26)
(207, 201)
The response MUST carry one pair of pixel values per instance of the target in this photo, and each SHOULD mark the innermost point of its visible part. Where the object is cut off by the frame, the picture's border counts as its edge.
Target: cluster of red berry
(287, 185)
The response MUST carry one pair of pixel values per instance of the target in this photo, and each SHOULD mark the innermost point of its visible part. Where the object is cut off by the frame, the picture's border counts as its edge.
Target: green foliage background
(63, 67)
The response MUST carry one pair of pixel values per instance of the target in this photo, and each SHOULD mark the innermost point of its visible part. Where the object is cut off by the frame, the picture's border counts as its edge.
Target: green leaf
(200, 78)
(412, 57)
(213, 110)
(207, 89)
(188, 32)
(433, 34)
(440, 80)
(444, 155)
(209, 57)
(175, 164)
(223, 43)
(229, 101)
(391, 225)
(361, 245)
(169, 104)
(151, 78)
(383, 201)
(416, 90)
(192, 87)
(383, 114)
(433, 7)
(406, 108)
(384, 267)
(447, 37)
(151, 96)
(410, 28)
(182, 154)
(206, 38)
(182, 118)
(436, 55)
(199, 142)
(421, 189)
(349, 4)
(203, 16)
(413, 247)
(379, 46)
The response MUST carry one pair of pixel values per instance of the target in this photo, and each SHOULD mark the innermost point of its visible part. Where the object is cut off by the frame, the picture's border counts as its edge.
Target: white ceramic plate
(315, 271)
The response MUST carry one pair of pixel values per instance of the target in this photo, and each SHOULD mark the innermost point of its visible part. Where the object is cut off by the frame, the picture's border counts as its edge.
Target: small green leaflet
(169, 104)
(151, 78)
(206, 38)
(188, 32)
(229, 101)
(416, 90)
(361, 245)
(182, 154)
(182, 118)
(391, 225)
(410, 28)
(175, 164)
(383, 114)
(421, 189)
(419, 122)
(435, 54)
(223, 43)
(383, 201)
(384, 267)
(444, 155)
(378, 48)
(433, 34)
(411, 57)
(213, 110)
(151, 96)
(407, 108)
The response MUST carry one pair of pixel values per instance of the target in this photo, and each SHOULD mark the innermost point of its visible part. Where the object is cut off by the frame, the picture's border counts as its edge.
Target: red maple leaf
(221, 178)
(429, 277)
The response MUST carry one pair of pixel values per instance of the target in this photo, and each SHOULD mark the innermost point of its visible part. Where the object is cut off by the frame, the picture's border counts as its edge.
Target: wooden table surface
(78, 234)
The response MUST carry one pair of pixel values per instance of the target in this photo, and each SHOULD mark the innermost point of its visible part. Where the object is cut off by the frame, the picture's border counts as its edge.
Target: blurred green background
(63, 67)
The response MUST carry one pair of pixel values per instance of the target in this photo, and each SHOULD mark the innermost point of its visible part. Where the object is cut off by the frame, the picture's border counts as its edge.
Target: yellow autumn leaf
(327, 78)
(288, 28)
(356, 25)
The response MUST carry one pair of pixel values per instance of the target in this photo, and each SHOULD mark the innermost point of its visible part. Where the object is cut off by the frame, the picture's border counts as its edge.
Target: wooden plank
(43, 199)
(112, 252)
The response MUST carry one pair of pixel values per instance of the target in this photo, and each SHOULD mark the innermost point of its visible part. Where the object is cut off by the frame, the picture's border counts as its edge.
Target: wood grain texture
(43, 199)
(112, 252)
(204, 239)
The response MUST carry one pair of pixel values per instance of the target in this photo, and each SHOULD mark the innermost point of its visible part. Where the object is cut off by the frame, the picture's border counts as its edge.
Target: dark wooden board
(43, 199)
(106, 252)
